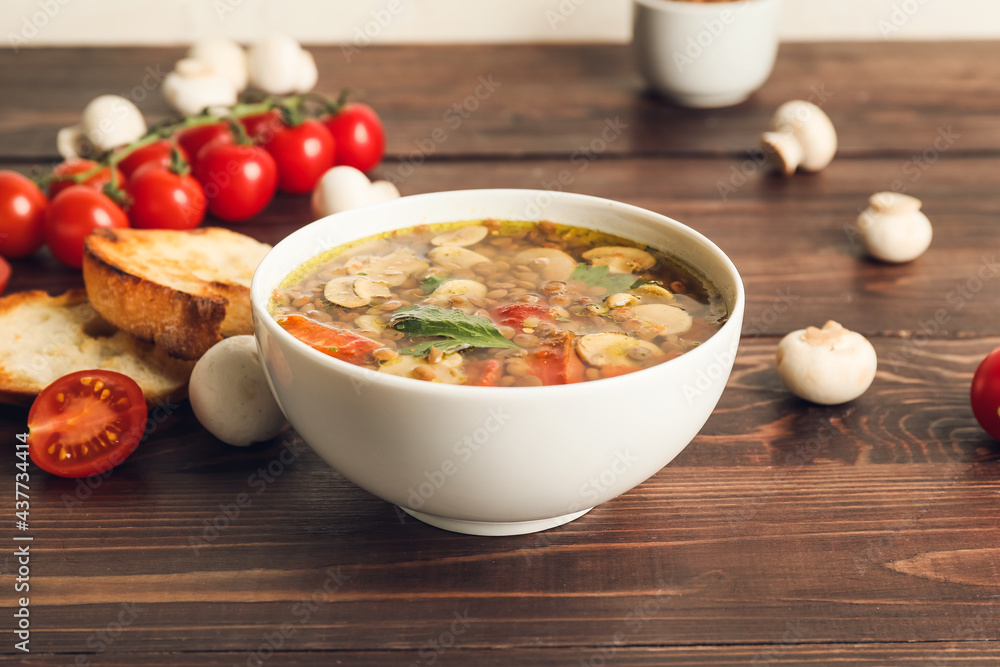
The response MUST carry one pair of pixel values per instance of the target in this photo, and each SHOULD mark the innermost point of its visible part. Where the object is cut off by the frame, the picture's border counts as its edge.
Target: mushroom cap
(226, 57)
(110, 121)
(308, 74)
(276, 64)
(230, 395)
(828, 366)
(195, 85)
(893, 236)
(557, 264)
(813, 130)
(340, 189)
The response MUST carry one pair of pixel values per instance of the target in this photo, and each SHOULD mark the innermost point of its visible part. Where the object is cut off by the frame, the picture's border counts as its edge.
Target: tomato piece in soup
(345, 345)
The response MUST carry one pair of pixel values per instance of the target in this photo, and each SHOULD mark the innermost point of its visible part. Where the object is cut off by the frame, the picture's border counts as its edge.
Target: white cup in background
(705, 54)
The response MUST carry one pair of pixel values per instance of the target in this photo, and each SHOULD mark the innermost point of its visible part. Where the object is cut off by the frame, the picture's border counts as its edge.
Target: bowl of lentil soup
(497, 362)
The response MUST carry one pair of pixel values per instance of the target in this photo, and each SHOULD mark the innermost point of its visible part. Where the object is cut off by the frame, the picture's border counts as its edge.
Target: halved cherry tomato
(239, 181)
(86, 423)
(557, 363)
(303, 153)
(64, 172)
(158, 152)
(4, 274)
(516, 314)
(193, 139)
(162, 199)
(359, 136)
(71, 217)
(484, 373)
(22, 213)
(985, 394)
(338, 343)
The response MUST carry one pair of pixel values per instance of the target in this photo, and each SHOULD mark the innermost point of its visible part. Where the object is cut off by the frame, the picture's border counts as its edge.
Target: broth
(498, 303)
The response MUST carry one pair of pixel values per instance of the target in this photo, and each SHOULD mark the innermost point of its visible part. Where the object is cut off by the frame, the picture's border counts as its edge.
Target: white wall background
(26, 23)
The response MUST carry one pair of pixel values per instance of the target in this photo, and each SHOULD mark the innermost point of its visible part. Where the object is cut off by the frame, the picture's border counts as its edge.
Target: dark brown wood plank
(965, 654)
(557, 99)
(870, 522)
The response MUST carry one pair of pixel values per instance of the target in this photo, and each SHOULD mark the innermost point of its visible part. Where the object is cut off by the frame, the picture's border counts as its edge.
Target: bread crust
(159, 301)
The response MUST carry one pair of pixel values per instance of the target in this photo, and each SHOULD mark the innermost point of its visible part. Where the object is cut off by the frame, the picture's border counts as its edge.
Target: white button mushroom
(195, 85)
(108, 121)
(466, 288)
(615, 349)
(455, 257)
(828, 366)
(354, 291)
(665, 318)
(280, 66)
(555, 264)
(449, 370)
(226, 57)
(344, 188)
(463, 236)
(893, 229)
(229, 394)
(802, 137)
(392, 269)
(620, 259)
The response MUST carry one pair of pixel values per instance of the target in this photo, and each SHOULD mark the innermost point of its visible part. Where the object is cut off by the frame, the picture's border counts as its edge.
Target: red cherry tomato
(303, 153)
(985, 394)
(158, 152)
(71, 217)
(358, 135)
(239, 181)
(86, 423)
(4, 274)
(193, 139)
(162, 199)
(22, 212)
(262, 127)
(75, 167)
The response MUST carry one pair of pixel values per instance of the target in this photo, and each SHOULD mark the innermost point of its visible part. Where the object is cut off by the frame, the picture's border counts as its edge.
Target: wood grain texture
(785, 534)
(550, 99)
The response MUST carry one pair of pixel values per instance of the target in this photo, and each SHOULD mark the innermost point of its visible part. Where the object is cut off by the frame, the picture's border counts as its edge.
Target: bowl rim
(367, 376)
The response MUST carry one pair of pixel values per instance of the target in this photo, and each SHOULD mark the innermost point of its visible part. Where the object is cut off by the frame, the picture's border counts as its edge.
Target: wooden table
(786, 533)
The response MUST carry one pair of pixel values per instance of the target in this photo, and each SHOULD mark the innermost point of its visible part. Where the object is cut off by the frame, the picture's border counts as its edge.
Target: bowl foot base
(494, 528)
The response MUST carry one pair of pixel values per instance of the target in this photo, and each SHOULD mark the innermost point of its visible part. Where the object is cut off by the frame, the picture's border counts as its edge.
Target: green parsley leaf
(601, 276)
(431, 283)
(456, 329)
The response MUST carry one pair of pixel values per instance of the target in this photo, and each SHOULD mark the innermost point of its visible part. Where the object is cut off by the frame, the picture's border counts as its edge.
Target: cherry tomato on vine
(302, 153)
(22, 214)
(4, 274)
(193, 139)
(162, 199)
(262, 126)
(71, 217)
(70, 168)
(239, 181)
(985, 394)
(86, 423)
(359, 136)
(158, 152)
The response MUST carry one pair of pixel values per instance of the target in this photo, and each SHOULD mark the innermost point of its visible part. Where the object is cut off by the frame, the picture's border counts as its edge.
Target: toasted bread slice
(181, 290)
(43, 338)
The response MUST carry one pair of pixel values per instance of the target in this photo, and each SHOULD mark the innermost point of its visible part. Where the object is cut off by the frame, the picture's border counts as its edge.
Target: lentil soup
(498, 303)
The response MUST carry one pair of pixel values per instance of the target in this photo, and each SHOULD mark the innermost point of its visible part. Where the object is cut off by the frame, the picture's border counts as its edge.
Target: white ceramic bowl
(495, 460)
(705, 54)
